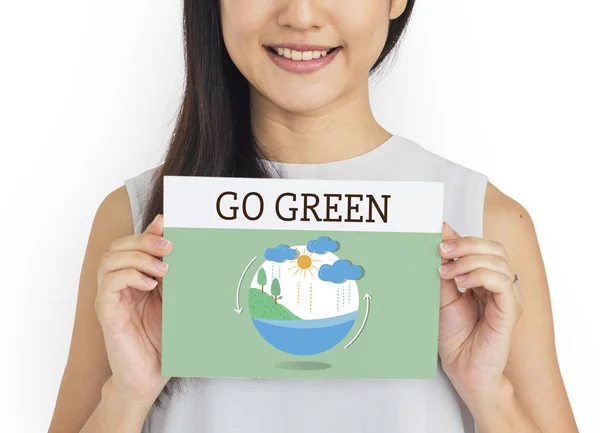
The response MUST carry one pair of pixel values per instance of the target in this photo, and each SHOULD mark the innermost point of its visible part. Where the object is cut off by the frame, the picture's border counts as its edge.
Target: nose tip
(302, 14)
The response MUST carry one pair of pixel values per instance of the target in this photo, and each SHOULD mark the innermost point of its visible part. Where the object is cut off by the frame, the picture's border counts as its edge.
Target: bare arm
(116, 413)
(87, 367)
(536, 386)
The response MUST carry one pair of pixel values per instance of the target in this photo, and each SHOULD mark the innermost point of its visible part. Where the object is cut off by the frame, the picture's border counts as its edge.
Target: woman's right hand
(129, 308)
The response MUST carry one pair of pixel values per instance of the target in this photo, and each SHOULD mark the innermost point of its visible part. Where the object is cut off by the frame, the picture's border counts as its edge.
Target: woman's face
(284, 47)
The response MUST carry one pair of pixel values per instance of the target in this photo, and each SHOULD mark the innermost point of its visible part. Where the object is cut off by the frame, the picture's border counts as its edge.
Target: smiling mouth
(300, 55)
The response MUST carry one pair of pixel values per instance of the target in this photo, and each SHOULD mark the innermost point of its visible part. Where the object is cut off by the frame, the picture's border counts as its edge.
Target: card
(299, 278)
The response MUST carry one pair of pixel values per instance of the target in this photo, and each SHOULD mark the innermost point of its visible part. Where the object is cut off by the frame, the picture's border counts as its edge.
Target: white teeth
(300, 55)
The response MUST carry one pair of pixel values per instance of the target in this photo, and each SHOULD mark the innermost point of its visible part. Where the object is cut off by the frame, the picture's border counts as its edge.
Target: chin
(308, 102)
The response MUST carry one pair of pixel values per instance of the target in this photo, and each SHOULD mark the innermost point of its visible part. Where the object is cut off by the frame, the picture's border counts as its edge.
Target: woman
(281, 86)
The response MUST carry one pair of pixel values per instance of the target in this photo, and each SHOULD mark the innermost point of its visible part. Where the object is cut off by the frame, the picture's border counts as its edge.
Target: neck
(341, 130)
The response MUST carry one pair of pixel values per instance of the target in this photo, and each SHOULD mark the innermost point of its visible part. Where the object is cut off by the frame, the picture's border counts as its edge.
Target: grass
(262, 306)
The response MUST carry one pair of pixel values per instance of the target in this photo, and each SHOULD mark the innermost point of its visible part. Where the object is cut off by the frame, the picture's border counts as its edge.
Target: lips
(302, 47)
(300, 52)
(282, 50)
(301, 59)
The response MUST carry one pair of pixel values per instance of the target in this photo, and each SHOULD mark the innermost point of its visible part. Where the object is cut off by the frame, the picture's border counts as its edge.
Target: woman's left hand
(476, 326)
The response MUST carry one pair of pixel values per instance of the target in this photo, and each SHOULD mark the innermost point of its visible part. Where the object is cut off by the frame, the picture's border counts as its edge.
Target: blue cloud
(280, 254)
(340, 271)
(322, 245)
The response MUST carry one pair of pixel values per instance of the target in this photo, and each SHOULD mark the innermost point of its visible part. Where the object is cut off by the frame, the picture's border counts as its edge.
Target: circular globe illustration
(304, 299)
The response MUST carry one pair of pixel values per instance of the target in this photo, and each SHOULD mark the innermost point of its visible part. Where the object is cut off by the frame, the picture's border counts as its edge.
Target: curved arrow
(368, 298)
(237, 295)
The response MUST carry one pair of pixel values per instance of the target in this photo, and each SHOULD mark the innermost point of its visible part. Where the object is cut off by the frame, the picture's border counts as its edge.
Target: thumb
(448, 290)
(156, 226)
(448, 233)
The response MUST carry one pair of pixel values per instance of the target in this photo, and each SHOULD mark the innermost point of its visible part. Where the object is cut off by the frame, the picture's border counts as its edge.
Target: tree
(276, 289)
(262, 279)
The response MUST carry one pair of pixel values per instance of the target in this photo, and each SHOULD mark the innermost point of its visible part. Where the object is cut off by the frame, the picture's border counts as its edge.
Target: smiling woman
(280, 88)
(349, 37)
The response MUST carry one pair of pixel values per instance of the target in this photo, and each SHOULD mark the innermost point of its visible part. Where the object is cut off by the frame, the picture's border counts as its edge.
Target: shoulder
(114, 217)
(504, 219)
(507, 221)
(501, 213)
(117, 213)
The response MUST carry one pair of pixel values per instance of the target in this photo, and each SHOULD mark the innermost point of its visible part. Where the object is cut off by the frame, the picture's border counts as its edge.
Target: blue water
(305, 337)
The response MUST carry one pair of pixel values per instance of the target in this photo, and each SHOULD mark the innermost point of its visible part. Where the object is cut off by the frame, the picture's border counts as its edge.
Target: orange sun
(304, 263)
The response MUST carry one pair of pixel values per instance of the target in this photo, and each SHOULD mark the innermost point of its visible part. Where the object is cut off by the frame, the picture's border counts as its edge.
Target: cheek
(364, 31)
(233, 25)
(242, 22)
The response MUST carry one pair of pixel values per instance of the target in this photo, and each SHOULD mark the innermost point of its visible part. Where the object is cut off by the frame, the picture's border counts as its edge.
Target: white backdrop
(88, 92)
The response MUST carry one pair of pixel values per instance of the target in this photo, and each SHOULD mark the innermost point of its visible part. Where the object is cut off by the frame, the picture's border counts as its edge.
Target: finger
(111, 287)
(150, 241)
(448, 235)
(481, 294)
(156, 226)
(146, 242)
(117, 281)
(519, 298)
(143, 262)
(500, 285)
(466, 264)
(496, 282)
(471, 245)
(449, 292)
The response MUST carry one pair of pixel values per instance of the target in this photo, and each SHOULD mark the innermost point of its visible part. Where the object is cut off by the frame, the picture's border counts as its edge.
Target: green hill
(262, 306)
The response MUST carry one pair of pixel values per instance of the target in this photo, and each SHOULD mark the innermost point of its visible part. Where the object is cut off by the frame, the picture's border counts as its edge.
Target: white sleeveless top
(324, 406)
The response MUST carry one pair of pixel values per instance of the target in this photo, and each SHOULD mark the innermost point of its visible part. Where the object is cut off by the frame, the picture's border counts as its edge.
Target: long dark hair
(212, 135)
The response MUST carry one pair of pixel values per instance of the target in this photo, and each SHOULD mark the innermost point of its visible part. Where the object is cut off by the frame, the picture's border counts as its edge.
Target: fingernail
(462, 277)
(151, 281)
(163, 243)
(448, 246)
(155, 218)
(445, 268)
(160, 265)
